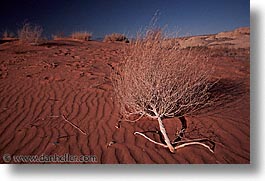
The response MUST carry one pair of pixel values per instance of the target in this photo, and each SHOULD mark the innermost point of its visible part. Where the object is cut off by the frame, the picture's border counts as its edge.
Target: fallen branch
(72, 124)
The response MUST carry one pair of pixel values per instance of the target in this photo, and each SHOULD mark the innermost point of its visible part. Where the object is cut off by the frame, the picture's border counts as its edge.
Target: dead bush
(30, 33)
(7, 34)
(81, 35)
(58, 35)
(159, 82)
(116, 37)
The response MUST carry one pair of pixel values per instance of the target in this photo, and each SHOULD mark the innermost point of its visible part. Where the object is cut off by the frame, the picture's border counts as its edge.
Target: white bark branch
(149, 139)
(166, 138)
(194, 143)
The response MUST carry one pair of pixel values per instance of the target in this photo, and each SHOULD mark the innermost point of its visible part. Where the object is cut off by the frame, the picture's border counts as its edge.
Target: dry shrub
(30, 33)
(58, 35)
(116, 37)
(81, 35)
(161, 81)
(6, 35)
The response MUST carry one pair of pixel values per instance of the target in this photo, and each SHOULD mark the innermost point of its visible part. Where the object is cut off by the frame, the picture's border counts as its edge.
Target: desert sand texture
(57, 98)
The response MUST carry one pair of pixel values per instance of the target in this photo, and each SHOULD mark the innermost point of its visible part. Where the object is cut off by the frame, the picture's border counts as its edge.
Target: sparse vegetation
(30, 33)
(116, 37)
(6, 34)
(81, 35)
(58, 35)
(159, 82)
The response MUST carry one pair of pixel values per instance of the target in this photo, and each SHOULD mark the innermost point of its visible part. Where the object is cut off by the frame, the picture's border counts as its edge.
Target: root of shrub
(182, 144)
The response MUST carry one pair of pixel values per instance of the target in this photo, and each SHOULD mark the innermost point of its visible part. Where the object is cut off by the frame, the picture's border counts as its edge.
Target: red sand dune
(43, 86)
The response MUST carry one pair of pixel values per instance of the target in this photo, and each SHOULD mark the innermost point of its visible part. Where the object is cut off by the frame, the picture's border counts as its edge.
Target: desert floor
(45, 88)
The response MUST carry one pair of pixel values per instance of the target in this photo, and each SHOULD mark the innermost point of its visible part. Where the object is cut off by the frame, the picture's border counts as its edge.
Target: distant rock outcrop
(238, 38)
(193, 41)
(237, 33)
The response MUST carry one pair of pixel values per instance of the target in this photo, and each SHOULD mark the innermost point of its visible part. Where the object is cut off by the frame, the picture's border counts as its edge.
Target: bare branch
(149, 139)
(194, 143)
(72, 124)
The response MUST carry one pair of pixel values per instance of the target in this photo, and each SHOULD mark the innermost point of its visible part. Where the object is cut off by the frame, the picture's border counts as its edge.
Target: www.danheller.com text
(55, 158)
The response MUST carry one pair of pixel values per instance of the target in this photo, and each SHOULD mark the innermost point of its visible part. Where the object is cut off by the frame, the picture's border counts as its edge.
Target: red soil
(42, 85)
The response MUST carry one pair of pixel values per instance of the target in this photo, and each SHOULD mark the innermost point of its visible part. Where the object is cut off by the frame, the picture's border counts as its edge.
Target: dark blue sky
(191, 17)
